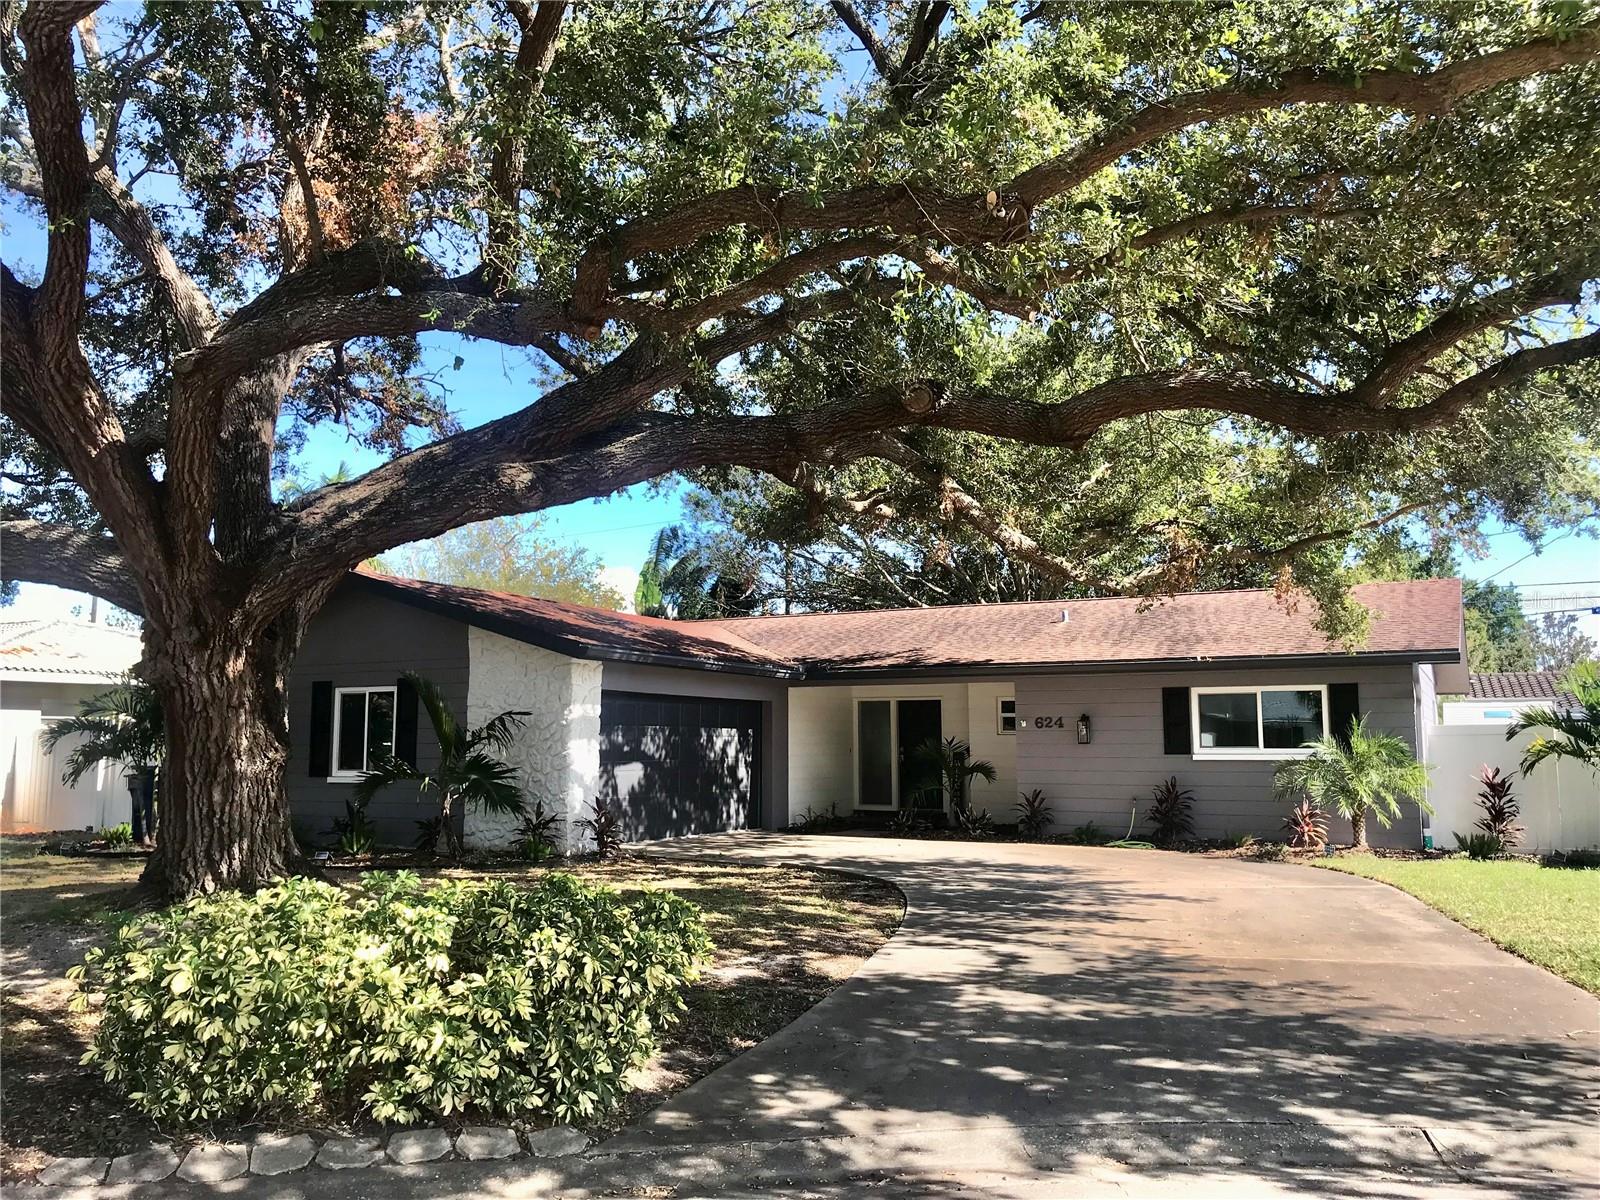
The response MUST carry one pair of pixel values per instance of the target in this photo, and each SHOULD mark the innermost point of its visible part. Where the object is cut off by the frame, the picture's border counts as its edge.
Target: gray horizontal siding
(362, 640)
(1105, 780)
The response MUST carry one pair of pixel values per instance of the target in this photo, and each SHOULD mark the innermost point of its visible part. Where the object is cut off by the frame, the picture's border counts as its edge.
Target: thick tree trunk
(224, 810)
(1358, 828)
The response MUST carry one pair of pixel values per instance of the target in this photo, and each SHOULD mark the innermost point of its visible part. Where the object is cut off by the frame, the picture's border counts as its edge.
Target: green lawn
(1549, 916)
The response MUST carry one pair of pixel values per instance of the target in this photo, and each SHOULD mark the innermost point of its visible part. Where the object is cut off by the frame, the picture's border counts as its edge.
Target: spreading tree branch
(62, 556)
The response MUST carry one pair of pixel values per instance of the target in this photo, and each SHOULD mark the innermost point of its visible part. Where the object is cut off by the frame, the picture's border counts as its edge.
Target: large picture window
(1258, 722)
(363, 729)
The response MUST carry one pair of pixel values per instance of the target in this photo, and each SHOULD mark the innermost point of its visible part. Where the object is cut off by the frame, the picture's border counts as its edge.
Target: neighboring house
(1497, 697)
(1560, 800)
(697, 726)
(46, 667)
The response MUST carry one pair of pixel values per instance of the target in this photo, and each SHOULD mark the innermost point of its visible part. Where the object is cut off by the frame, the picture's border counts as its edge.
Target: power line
(1530, 554)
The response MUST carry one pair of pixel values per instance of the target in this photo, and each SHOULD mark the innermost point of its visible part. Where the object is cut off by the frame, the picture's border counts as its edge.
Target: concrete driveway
(1058, 1021)
(1046, 1006)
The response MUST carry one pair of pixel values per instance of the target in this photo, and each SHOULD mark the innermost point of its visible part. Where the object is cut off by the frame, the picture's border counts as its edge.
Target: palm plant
(121, 724)
(1366, 772)
(470, 774)
(952, 763)
(1576, 730)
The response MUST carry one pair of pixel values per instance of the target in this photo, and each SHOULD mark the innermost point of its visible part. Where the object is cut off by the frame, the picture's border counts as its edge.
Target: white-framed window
(1005, 715)
(1272, 721)
(363, 729)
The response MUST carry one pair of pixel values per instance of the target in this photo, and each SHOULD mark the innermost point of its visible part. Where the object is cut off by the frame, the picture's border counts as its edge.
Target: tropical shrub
(354, 833)
(951, 764)
(1088, 834)
(536, 835)
(907, 821)
(605, 827)
(974, 822)
(470, 774)
(1480, 845)
(1033, 815)
(829, 820)
(116, 837)
(1578, 860)
(1499, 805)
(1305, 827)
(1171, 813)
(392, 999)
(1364, 772)
(429, 831)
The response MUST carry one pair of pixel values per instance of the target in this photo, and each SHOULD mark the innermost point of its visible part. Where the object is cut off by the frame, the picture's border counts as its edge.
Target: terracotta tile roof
(585, 632)
(1412, 618)
(1419, 619)
(66, 651)
(1519, 685)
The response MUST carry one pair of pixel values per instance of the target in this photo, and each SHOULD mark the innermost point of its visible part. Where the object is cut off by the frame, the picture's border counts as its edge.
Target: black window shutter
(321, 744)
(405, 722)
(1175, 735)
(1344, 708)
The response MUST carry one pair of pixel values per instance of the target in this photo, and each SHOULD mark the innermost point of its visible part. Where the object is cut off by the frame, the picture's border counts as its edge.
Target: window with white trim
(363, 729)
(1258, 722)
(1006, 715)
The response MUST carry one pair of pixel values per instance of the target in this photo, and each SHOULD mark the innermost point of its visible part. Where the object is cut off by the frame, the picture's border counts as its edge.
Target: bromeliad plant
(470, 775)
(1365, 773)
(1306, 828)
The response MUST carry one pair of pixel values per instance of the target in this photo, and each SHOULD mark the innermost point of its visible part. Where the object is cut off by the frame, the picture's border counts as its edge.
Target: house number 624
(1050, 722)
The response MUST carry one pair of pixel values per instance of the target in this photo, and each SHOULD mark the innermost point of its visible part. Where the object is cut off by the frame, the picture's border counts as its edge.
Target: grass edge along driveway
(1547, 915)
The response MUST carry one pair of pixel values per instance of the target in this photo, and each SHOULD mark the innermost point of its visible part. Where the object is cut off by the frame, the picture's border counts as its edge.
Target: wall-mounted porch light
(1084, 731)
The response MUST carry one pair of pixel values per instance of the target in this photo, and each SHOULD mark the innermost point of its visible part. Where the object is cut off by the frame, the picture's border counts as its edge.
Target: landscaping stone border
(281, 1154)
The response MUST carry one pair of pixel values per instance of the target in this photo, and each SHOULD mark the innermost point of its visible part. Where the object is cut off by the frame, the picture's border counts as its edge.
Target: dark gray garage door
(673, 765)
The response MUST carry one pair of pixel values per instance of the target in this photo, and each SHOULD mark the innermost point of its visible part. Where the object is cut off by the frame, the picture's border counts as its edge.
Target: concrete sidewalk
(1055, 1021)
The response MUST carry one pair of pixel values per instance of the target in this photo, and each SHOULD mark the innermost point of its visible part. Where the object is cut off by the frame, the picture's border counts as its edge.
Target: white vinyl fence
(1560, 799)
(34, 800)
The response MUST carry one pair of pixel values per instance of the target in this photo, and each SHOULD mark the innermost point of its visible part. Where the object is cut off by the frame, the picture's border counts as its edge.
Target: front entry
(888, 771)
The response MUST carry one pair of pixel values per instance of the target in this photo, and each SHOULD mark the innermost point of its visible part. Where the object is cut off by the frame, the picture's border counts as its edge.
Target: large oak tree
(764, 235)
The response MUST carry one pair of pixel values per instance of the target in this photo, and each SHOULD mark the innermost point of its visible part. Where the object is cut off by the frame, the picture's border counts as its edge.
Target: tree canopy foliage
(1142, 294)
(508, 554)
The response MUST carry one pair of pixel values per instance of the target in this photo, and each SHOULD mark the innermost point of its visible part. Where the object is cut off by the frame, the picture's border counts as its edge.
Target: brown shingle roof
(585, 632)
(1416, 619)
(1519, 685)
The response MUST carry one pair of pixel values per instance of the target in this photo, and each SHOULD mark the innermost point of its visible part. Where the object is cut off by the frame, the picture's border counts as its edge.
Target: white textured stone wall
(557, 754)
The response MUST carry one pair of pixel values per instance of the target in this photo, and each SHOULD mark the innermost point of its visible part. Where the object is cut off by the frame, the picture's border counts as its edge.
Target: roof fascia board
(1383, 658)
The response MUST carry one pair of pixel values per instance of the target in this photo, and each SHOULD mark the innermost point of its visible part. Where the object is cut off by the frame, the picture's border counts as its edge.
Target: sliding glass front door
(888, 773)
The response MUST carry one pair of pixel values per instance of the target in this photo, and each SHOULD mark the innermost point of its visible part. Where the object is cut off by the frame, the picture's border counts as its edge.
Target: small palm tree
(1577, 730)
(1369, 772)
(470, 773)
(121, 724)
(951, 760)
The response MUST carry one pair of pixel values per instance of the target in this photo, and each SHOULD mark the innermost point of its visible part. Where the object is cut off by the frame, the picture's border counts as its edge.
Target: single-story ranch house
(698, 726)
